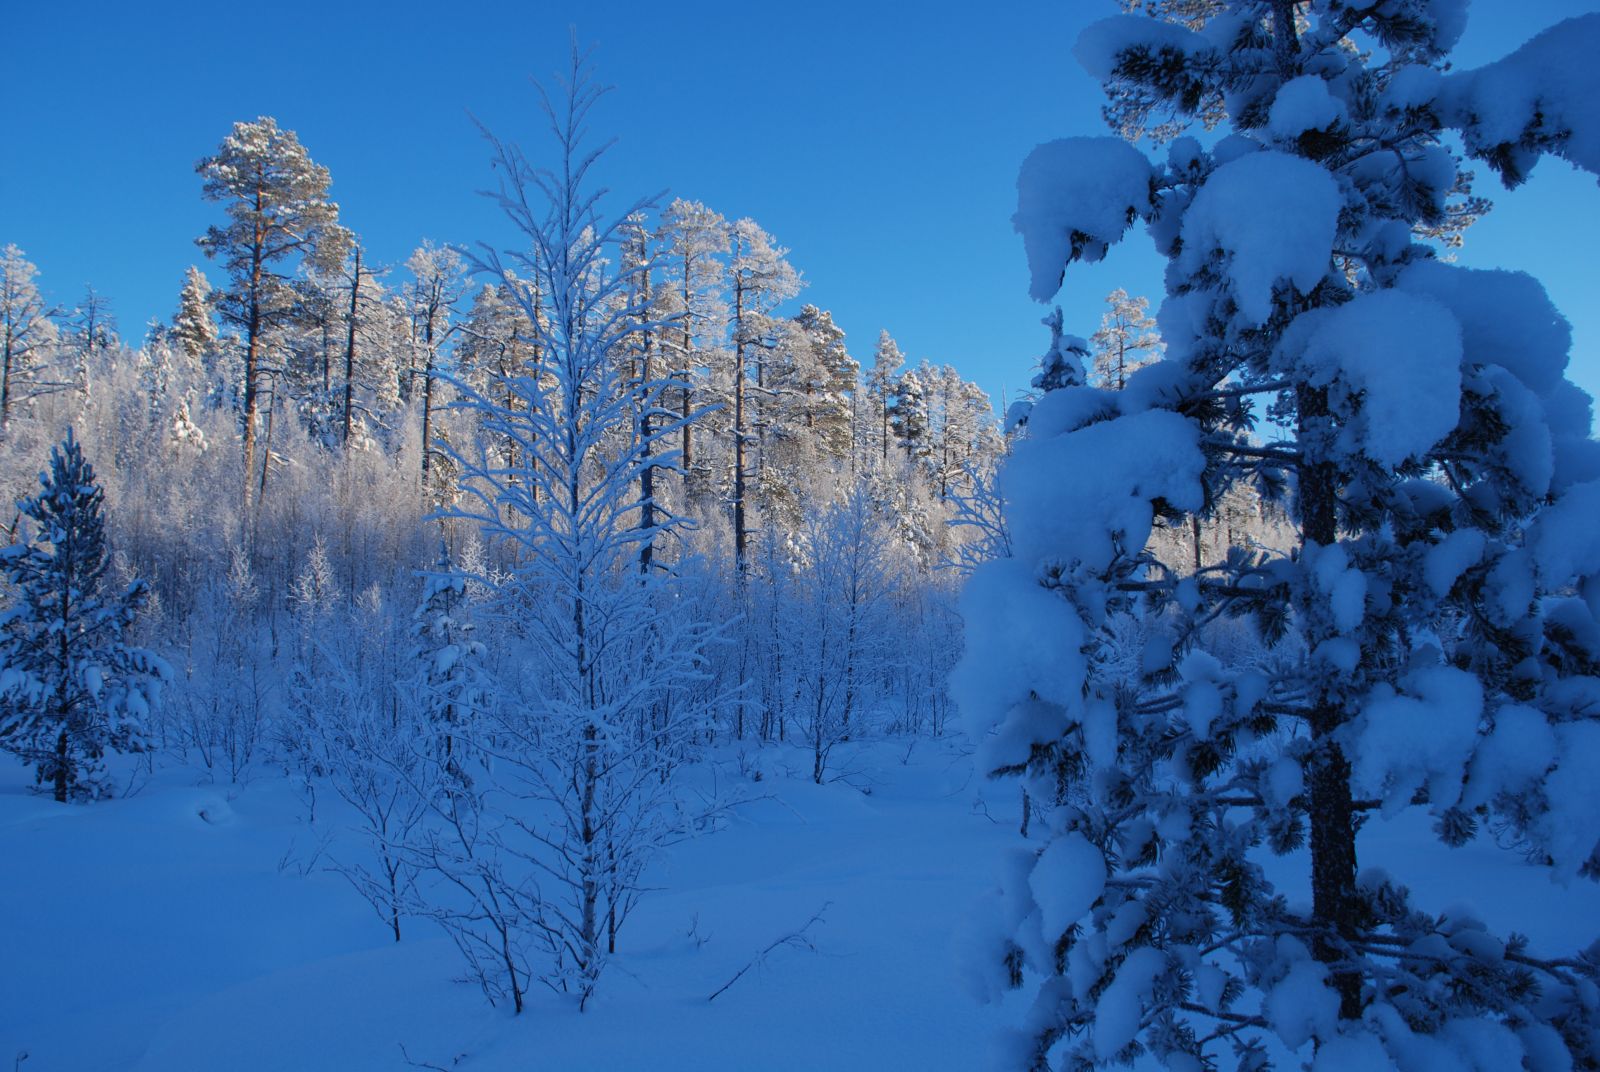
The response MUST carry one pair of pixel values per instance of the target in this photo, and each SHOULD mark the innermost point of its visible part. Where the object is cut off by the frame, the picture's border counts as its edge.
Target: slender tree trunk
(266, 460)
(327, 358)
(350, 349)
(252, 351)
(738, 434)
(428, 361)
(647, 472)
(5, 380)
(688, 372)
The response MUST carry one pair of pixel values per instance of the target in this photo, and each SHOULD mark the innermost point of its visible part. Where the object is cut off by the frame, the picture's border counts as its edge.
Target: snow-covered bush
(1432, 641)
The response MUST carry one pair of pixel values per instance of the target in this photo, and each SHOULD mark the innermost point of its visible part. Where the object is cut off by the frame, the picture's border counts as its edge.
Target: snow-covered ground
(174, 930)
(197, 928)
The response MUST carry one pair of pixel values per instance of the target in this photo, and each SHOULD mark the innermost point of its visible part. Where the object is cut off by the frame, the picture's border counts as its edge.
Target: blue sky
(878, 141)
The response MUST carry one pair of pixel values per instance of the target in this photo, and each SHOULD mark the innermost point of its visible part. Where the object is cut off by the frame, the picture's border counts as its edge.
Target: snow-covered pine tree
(760, 280)
(70, 688)
(693, 240)
(438, 277)
(91, 331)
(886, 363)
(194, 325)
(1431, 641)
(449, 684)
(1126, 342)
(909, 414)
(279, 216)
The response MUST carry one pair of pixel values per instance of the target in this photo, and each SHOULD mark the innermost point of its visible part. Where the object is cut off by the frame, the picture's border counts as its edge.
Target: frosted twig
(796, 939)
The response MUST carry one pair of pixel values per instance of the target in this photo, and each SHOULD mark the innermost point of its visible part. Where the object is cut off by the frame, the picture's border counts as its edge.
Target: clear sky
(878, 140)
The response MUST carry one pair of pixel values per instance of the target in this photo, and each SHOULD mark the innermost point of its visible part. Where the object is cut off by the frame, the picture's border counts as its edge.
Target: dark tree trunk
(1332, 815)
(350, 349)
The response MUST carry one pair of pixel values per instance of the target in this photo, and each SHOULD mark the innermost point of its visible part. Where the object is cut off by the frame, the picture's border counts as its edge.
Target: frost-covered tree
(909, 414)
(70, 688)
(605, 694)
(821, 382)
(372, 740)
(1126, 342)
(438, 280)
(761, 279)
(1429, 642)
(449, 685)
(693, 241)
(194, 325)
(887, 361)
(279, 216)
(26, 330)
(843, 597)
(91, 331)
(497, 346)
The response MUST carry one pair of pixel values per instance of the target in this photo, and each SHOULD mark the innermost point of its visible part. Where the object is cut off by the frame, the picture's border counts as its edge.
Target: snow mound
(1547, 89)
(1301, 1006)
(1304, 104)
(1067, 879)
(1423, 736)
(1075, 197)
(1078, 497)
(1401, 355)
(1021, 671)
(1273, 216)
(1102, 43)
(1506, 319)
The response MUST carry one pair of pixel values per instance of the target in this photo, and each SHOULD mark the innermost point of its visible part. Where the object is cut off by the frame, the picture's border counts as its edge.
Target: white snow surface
(1067, 879)
(1423, 736)
(1300, 1006)
(1394, 362)
(1121, 1005)
(1516, 754)
(1075, 197)
(161, 933)
(1452, 556)
(1572, 826)
(1273, 216)
(1024, 642)
(1071, 494)
(1506, 319)
(1553, 77)
(1100, 43)
(1304, 104)
(1565, 536)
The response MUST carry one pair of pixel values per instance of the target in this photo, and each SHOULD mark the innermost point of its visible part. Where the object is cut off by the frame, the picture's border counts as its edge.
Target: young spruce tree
(70, 688)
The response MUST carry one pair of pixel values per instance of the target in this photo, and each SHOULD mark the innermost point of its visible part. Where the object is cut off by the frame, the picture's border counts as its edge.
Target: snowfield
(199, 928)
(175, 930)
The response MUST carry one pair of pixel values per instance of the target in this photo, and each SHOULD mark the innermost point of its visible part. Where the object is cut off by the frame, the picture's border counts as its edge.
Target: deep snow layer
(196, 928)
